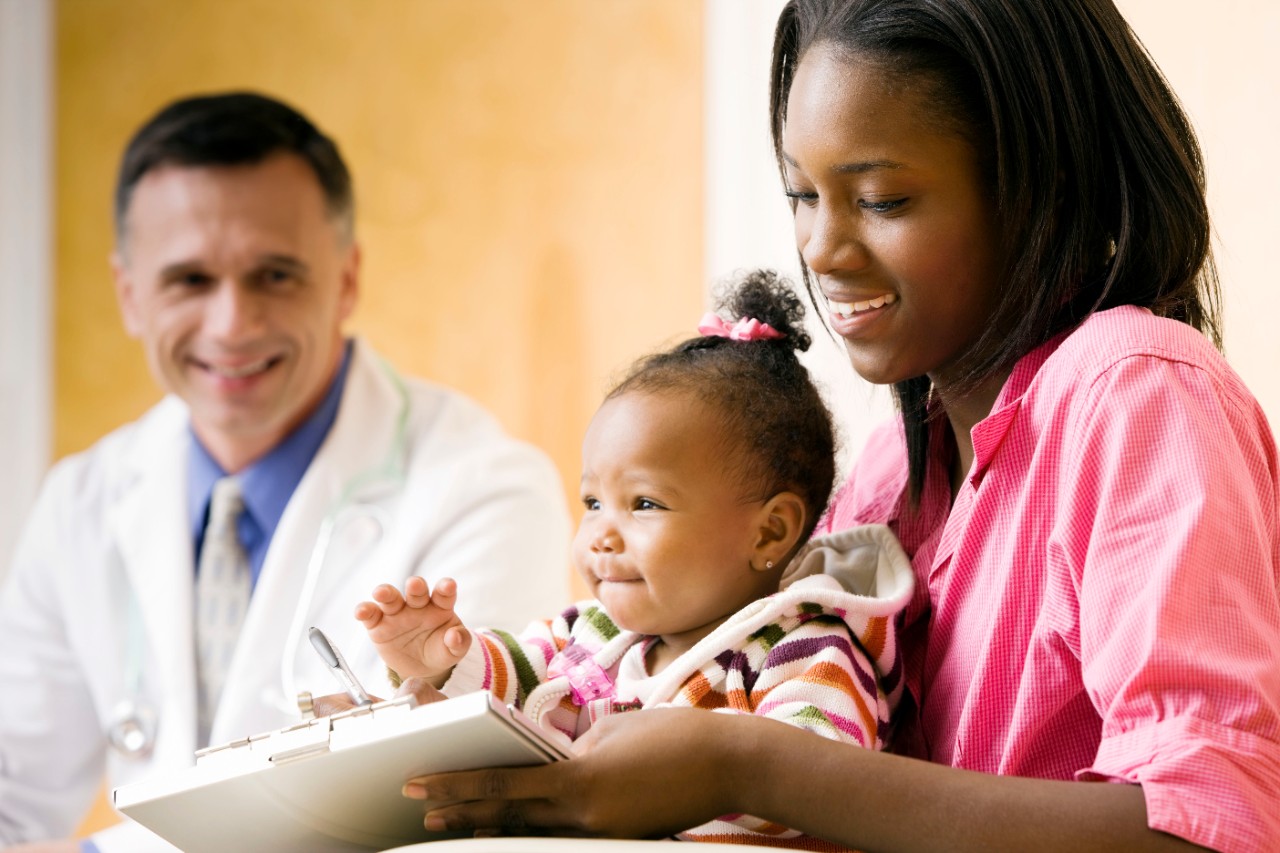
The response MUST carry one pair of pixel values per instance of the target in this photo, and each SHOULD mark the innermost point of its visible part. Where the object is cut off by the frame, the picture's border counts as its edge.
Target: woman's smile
(893, 217)
(850, 318)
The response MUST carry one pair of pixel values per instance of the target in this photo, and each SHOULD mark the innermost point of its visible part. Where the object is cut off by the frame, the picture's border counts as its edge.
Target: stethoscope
(135, 721)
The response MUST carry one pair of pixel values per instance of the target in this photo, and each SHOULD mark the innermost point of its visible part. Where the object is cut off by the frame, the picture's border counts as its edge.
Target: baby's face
(668, 534)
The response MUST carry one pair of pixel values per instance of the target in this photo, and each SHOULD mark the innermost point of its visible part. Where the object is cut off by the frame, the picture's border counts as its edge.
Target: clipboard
(333, 783)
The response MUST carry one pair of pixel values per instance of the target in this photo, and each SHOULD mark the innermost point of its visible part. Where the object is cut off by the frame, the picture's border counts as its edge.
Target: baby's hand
(417, 634)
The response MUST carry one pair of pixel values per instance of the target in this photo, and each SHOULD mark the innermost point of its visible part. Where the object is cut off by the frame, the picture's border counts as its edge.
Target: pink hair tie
(746, 329)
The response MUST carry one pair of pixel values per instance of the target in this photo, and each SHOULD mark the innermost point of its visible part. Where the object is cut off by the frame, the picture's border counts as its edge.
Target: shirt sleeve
(1169, 532)
(509, 666)
(52, 753)
(818, 678)
(815, 676)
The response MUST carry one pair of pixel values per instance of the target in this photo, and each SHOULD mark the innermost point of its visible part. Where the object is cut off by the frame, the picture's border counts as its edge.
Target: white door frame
(26, 252)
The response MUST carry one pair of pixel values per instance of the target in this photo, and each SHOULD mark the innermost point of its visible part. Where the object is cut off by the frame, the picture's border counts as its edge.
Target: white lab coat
(474, 505)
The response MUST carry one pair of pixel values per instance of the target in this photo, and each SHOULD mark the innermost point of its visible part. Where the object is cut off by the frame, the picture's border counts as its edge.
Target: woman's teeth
(848, 309)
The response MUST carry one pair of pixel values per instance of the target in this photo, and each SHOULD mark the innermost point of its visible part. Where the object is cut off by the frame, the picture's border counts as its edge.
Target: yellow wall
(528, 179)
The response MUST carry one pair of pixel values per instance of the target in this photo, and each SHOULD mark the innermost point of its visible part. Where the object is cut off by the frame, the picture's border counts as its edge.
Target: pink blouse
(1102, 602)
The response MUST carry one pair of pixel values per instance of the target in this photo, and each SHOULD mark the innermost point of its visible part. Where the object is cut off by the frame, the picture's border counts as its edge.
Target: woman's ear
(782, 518)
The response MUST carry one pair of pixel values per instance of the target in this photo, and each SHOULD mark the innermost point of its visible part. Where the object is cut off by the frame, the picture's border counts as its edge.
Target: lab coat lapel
(149, 528)
(357, 444)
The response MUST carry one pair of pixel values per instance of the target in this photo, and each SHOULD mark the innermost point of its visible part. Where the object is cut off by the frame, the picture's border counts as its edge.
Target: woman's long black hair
(1094, 168)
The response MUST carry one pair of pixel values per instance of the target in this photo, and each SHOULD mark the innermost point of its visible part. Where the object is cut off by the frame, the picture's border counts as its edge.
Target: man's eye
(193, 279)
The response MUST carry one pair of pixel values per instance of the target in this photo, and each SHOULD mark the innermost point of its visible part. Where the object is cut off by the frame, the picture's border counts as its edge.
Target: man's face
(237, 280)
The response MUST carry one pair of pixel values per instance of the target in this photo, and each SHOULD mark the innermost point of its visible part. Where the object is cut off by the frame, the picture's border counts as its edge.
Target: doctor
(235, 267)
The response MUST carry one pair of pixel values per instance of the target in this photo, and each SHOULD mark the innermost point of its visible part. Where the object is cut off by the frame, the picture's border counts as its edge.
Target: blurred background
(545, 191)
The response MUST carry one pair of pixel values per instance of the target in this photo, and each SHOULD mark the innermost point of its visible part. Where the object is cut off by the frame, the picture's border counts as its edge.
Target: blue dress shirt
(268, 483)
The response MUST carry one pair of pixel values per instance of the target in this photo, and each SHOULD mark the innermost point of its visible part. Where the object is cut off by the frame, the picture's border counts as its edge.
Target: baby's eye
(646, 503)
(591, 504)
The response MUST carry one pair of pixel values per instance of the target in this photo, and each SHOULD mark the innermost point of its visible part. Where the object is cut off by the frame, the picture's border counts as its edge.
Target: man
(162, 590)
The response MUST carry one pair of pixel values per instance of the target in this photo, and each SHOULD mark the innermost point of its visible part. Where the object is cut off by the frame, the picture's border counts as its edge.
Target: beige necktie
(223, 584)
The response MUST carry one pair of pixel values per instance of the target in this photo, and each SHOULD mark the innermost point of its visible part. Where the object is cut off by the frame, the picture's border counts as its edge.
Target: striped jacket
(819, 654)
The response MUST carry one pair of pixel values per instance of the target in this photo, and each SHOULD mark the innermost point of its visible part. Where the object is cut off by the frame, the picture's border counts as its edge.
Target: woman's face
(892, 216)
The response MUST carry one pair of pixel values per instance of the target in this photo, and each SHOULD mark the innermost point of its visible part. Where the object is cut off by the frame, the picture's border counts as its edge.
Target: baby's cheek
(579, 554)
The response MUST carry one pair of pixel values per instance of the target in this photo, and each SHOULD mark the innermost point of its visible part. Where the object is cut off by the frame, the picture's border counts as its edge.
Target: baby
(704, 473)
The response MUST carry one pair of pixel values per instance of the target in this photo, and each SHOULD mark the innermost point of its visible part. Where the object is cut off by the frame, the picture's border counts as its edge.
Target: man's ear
(126, 295)
(782, 518)
(350, 282)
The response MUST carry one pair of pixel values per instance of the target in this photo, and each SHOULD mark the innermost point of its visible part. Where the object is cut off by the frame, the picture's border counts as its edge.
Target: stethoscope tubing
(133, 733)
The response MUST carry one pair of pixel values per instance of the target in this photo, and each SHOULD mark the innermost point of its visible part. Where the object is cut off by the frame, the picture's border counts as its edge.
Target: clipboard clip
(300, 740)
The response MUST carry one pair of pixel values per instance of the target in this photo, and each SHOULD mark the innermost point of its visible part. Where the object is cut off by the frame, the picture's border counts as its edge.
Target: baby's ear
(782, 518)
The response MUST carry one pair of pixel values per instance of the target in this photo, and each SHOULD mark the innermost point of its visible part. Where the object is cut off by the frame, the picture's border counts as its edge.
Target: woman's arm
(661, 771)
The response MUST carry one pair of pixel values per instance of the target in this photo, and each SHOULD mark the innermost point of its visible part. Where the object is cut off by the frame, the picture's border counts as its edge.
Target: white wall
(748, 222)
(25, 274)
(1226, 69)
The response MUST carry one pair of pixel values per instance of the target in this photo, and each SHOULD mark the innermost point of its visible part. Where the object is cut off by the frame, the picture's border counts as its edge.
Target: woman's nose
(828, 241)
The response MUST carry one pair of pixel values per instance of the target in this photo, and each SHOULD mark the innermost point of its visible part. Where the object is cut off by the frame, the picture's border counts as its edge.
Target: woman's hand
(336, 703)
(636, 775)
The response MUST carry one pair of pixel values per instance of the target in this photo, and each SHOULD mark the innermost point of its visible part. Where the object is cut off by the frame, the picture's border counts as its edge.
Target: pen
(338, 666)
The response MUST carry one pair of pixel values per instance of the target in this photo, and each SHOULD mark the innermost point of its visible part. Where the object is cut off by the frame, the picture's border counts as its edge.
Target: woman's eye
(881, 206)
(808, 199)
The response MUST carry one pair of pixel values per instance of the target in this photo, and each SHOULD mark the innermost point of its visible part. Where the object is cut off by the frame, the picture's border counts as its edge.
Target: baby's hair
(778, 431)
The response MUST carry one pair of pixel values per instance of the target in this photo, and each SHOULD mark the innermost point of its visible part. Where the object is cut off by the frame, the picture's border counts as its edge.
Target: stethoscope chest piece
(133, 734)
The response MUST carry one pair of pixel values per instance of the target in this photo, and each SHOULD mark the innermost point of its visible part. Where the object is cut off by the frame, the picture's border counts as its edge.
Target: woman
(1002, 207)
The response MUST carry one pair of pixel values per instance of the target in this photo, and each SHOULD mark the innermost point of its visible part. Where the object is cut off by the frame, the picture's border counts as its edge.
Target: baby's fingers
(368, 614)
(388, 598)
(416, 592)
(445, 595)
(457, 640)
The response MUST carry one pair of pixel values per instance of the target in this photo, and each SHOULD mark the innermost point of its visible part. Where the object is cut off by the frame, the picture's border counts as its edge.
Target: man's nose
(232, 310)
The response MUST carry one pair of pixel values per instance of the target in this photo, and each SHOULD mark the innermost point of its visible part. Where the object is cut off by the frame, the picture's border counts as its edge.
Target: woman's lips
(849, 309)
(850, 319)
